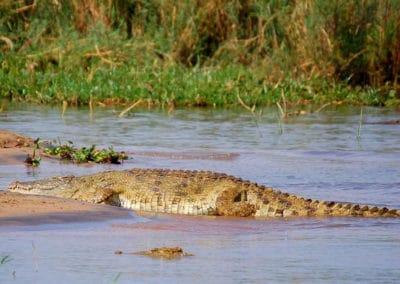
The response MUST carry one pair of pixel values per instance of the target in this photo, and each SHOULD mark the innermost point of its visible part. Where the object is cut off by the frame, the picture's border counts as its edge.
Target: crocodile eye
(241, 196)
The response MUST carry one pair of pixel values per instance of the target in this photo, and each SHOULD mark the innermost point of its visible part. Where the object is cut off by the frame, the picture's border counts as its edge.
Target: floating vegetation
(85, 154)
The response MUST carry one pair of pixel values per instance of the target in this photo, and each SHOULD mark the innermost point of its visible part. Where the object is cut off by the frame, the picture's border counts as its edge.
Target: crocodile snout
(17, 186)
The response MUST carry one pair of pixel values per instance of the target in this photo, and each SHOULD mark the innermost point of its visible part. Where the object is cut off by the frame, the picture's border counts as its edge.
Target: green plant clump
(85, 155)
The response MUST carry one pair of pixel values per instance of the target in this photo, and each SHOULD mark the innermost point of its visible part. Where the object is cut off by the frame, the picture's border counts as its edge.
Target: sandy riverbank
(20, 209)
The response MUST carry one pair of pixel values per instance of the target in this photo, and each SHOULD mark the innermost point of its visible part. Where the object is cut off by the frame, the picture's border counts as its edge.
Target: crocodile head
(65, 187)
(51, 186)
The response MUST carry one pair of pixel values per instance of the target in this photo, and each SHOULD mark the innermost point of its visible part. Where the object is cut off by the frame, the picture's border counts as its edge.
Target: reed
(5, 259)
(360, 121)
(255, 115)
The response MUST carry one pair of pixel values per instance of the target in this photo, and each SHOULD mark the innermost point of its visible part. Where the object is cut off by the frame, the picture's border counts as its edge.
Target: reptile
(193, 193)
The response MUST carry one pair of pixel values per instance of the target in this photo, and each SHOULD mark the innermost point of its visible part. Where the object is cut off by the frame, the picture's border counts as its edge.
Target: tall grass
(200, 52)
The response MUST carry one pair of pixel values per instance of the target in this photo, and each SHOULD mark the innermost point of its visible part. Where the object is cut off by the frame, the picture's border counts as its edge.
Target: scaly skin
(193, 193)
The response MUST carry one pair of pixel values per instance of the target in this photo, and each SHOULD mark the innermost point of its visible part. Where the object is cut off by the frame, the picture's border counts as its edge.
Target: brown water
(317, 156)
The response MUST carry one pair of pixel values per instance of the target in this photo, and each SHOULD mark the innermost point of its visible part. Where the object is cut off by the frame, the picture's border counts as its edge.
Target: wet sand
(20, 209)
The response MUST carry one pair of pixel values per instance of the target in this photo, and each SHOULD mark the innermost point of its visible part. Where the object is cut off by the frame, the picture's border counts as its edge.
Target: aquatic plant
(115, 279)
(360, 121)
(5, 259)
(62, 151)
(33, 160)
(85, 154)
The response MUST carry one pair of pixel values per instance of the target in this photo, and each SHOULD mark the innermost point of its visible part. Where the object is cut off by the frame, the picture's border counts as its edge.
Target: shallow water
(317, 155)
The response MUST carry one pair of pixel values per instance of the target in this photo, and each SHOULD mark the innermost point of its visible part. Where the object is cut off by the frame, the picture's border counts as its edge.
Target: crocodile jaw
(51, 187)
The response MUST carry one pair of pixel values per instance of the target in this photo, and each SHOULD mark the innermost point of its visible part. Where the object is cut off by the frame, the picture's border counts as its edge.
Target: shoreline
(26, 210)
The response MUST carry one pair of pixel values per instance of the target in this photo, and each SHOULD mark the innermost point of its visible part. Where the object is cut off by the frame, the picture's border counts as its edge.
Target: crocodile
(193, 193)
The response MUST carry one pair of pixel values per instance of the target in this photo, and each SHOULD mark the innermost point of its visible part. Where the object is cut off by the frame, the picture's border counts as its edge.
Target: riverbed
(326, 155)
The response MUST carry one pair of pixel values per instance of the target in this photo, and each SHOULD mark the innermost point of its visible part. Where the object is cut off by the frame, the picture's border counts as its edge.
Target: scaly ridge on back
(193, 193)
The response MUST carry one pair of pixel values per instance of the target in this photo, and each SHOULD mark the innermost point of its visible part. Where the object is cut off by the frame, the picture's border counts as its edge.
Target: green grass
(200, 53)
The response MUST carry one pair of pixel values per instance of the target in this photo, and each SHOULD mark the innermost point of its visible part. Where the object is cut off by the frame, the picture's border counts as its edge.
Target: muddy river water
(323, 155)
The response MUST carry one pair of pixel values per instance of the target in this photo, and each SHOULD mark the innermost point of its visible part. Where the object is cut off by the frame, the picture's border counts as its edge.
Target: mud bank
(19, 209)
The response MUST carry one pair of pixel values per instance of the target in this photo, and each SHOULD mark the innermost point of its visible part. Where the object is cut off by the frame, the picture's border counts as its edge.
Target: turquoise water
(317, 155)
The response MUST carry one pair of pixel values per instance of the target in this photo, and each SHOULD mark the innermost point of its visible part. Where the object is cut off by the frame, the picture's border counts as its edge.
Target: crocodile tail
(354, 210)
